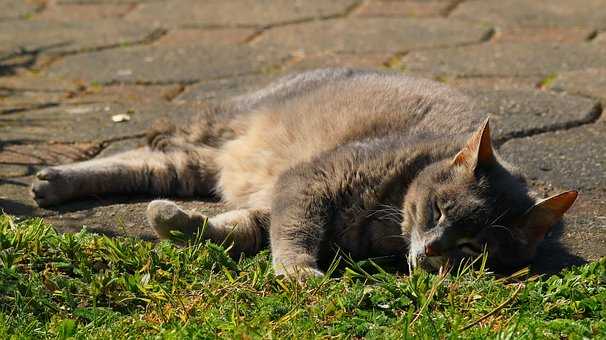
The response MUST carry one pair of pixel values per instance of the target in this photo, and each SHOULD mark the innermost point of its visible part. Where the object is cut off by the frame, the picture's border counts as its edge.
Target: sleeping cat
(370, 163)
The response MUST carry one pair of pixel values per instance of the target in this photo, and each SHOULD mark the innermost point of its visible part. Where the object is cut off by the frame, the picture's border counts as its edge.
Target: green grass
(89, 286)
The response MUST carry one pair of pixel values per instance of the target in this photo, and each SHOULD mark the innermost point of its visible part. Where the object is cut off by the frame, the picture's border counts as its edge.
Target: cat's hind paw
(165, 216)
(51, 187)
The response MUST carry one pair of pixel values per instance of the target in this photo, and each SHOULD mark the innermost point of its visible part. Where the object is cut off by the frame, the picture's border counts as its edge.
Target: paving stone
(185, 13)
(493, 83)
(505, 60)
(134, 95)
(539, 35)
(402, 8)
(29, 92)
(572, 158)
(219, 89)
(87, 114)
(211, 36)
(86, 122)
(600, 37)
(565, 160)
(158, 64)
(521, 112)
(56, 37)
(12, 102)
(34, 82)
(14, 197)
(585, 227)
(580, 238)
(118, 216)
(114, 216)
(589, 82)
(371, 35)
(522, 13)
(62, 2)
(121, 146)
(365, 61)
(17, 160)
(16, 9)
(73, 12)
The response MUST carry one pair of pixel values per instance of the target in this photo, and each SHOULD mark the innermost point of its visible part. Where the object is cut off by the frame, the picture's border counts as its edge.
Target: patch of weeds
(84, 285)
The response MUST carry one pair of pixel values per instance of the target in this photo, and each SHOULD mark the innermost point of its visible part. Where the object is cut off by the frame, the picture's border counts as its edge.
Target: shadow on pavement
(552, 257)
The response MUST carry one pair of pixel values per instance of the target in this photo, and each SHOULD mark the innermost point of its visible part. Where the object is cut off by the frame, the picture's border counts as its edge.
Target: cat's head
(458, 207)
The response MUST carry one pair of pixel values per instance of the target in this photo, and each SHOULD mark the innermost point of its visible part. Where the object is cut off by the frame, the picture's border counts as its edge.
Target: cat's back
(343, 104)
(300, 116)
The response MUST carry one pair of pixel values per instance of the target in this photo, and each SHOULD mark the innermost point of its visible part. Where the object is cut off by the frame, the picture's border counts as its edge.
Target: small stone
(124, 73)
(79, 110)
(119, 118)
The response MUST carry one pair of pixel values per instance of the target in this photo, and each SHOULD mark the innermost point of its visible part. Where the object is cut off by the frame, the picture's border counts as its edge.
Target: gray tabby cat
(370, 163)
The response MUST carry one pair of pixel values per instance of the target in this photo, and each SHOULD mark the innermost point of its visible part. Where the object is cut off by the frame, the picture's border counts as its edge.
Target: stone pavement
(68, 66)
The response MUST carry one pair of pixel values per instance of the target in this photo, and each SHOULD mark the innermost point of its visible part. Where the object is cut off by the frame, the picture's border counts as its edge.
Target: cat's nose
(432, 249)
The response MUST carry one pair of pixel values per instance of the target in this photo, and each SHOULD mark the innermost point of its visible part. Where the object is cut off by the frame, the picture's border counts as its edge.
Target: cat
(365, 162)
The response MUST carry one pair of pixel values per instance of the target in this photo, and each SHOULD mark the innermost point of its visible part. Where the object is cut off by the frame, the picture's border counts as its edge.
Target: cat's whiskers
(496, 220)
(497, 226)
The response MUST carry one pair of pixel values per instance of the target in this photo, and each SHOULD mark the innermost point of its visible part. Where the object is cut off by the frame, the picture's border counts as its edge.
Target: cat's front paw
(51, 186)
(299, 273)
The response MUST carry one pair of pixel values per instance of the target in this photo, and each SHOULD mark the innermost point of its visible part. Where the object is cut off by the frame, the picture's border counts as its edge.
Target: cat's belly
(250, 165)
(247, 174)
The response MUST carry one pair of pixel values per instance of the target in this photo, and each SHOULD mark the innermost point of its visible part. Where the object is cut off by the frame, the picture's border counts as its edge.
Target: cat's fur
(370, 163)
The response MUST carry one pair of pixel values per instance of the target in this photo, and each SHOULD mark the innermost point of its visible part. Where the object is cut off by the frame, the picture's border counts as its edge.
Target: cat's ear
(477, 151)
(546, 213)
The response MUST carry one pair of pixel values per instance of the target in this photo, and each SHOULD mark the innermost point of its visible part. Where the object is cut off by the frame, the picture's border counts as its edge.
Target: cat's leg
(301, 212)
(178, 172)
(245, 229)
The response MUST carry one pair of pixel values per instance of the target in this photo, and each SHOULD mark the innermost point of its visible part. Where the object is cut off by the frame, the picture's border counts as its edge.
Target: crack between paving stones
(593, 116)
(189, 82)
(6, 112)
(396, 58)
(152, 37)
(451, 8)
(592, 35)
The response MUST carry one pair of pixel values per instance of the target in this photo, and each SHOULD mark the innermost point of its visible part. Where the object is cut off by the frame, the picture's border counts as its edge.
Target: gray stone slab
(354, 60)
(114, 216)
(573, 158)
(188, 13)
(505, 59)
(56, 37)
(158, 63)
(368, 35)
(523, 112)
(222, 88)
(588, 82)
(70, 12)
(20, 158)
(494, 83)
(86, 122)
(543, 35)
(16, 9)
(117, 216)
(391, 8)
(523, 13)
(89, 2)
(565, 160)
(121, 146)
